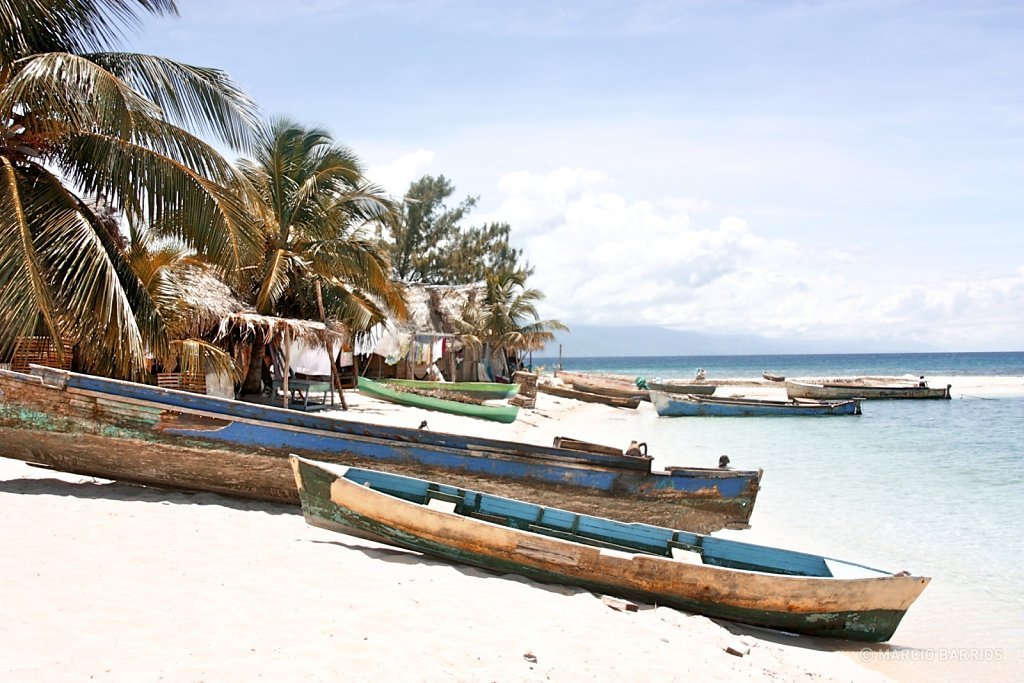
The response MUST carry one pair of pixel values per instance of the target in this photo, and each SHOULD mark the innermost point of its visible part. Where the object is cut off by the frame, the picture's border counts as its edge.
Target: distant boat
(141, 433)
(719, 578)
(682, 388)
(617, 392)
(773, 378)
(689, 405)
(602, 384)
(587, 396)
(480, 390)
(497, 413)
(847, 390)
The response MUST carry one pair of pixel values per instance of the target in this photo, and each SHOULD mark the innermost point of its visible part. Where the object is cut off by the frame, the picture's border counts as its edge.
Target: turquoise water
(933, 487)
(803, 365)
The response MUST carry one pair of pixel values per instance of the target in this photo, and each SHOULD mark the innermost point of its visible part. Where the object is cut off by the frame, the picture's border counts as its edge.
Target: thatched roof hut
(434, 314)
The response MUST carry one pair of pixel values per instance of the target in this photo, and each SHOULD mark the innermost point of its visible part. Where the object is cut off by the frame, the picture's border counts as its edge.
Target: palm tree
(319, 258)
(505, 321)
(77, 122)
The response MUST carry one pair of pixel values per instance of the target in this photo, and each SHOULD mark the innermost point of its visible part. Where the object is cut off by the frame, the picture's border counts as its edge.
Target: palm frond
(178, 201)
(27, 296)
(195, 357)
(200, 98)
(32, 26)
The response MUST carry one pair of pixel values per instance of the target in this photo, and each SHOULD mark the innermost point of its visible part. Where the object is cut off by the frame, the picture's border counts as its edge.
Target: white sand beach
(110, 581)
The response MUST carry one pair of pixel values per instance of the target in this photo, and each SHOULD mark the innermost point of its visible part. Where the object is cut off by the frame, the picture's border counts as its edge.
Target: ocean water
(932, 487)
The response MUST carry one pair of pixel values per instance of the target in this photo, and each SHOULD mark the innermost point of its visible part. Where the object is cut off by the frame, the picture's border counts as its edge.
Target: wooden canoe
(497, 413)
(837, 391)
(752, 584)
(682, 388)
(150, 435)
(481, 390)
(689, 405)
(616, 392)
(588, 397)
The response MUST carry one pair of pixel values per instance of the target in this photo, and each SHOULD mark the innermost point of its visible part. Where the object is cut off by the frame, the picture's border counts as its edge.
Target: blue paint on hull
(681, 406)
(610, 473)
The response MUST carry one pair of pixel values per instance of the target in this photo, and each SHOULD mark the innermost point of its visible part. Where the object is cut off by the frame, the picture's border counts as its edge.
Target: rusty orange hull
(752, 584)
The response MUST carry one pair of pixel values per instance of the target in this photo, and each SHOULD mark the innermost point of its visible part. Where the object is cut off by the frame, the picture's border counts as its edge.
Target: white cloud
(602, 259)
(396, 176)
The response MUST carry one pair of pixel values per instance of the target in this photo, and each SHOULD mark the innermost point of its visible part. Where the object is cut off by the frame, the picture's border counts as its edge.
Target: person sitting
(434, 374)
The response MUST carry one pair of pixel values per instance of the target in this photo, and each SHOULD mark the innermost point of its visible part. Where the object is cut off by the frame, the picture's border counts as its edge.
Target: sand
(109, 581)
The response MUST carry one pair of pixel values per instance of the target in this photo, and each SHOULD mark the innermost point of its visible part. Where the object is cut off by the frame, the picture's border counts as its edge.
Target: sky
(787, 169)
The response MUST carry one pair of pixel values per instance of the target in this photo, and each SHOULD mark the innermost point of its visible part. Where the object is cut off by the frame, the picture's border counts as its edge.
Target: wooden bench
(304, 387)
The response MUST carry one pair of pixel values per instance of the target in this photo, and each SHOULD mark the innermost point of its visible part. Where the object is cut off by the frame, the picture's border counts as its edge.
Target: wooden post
(287, 363)
(559, 356)
(335, 379)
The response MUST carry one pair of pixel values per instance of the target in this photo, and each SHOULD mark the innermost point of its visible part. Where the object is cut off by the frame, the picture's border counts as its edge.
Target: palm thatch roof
(211, 309)
(437, 308)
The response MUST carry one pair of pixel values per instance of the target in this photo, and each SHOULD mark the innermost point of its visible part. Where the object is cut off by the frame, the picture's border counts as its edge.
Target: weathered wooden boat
(137, 432)
(613, 392)
(588, 397)
(830, 391)
(773, 378)
(484, 411)
(742, 582)
(681, 388)
(480, 390)
(689, 405)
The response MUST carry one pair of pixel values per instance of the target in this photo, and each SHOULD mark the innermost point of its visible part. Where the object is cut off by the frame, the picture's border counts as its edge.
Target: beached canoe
(497, 413)
(480, 390)
(146, 434)
(689, 405)
(773, 378)
(587, 396)
(725, 579)
(832, 391)
(604, 390)
(681, 388)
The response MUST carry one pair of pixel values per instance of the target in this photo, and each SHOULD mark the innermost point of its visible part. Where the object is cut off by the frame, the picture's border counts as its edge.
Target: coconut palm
(505, 321)
(76, 122)
(319, 257)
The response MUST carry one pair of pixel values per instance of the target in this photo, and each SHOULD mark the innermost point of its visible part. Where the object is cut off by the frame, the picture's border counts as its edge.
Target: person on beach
(434, 374)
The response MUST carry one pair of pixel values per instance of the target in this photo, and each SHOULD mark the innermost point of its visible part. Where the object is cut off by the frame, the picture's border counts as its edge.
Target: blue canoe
(752, 584)
(704, 497)
(690, 405)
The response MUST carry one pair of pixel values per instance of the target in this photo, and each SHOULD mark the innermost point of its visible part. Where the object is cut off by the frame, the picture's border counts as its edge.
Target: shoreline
(121, 582)
(125, 582)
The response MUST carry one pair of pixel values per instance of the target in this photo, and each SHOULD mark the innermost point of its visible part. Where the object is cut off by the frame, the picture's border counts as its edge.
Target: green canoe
(498, 413)
(481, 390)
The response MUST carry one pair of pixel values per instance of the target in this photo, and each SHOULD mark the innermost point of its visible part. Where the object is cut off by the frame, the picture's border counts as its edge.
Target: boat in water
(838, 390)
(163, 437)
(690, 405)
(758, 585)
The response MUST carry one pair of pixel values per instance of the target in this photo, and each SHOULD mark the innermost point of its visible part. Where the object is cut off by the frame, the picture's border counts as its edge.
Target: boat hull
(73, 425)
(696, 389)
(674, 405)
(830, 392)
(497, 413)
(589, 397)
(572, 549)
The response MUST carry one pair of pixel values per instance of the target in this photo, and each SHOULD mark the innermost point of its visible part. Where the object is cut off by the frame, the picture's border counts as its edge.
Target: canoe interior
(483, 390)
(598, 531)
(497, 413)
